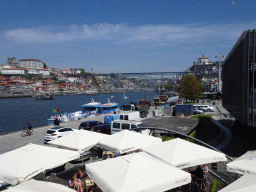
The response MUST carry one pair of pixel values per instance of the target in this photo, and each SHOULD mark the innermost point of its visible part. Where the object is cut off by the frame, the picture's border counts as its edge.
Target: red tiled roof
(29, 60)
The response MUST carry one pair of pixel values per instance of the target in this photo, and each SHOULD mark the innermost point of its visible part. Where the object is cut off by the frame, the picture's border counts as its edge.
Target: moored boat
(90, 109)
(95, 108)
(108, 107)
(45, 97)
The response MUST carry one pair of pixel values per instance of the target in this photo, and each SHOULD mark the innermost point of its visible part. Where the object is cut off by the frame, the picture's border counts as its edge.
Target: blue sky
(122, 36)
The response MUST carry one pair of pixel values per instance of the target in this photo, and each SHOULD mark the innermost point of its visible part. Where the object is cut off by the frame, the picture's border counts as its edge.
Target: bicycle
(26, 133)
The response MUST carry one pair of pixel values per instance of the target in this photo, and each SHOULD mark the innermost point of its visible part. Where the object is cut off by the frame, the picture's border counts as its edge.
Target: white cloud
(123, 33)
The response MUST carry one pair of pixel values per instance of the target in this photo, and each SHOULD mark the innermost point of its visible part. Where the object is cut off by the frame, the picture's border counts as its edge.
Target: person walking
(55, 120)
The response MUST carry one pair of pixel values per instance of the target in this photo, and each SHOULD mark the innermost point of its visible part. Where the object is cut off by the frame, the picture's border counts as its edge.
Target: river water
(15, 113)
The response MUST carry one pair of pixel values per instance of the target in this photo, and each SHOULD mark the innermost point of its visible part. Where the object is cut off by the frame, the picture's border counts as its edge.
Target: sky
(110, 36)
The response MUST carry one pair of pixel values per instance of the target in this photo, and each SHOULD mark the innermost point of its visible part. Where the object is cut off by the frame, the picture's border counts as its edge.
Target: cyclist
(28, 128)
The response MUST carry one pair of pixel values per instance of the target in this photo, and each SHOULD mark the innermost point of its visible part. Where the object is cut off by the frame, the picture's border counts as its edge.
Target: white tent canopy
(244, 164)
(23, 163)
(183, 154)
(79, 140)
(42, 186)
(127, 141)
(136, 172)
(246, 183)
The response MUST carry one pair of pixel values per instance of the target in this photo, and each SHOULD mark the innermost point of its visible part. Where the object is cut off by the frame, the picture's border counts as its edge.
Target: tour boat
(95, 108)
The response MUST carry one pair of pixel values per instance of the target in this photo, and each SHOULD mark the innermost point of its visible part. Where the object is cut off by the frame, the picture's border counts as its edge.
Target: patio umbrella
(244, 164)
(136, 172)
(79, 140)
(247, 183)
(42, 186)
(183, 154)
(25, 162)
(127, 141)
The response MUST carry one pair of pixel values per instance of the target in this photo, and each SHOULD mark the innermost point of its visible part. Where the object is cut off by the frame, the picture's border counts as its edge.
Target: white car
(197, 111)
(56, 132)
(206, 108)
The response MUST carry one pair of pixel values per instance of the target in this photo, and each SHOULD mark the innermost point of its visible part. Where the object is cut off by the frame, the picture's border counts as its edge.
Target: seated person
(73, 182)
(205, 170)
(69, 182)
(115, 155)
(198, 172)
(94, 188)
(79, 174)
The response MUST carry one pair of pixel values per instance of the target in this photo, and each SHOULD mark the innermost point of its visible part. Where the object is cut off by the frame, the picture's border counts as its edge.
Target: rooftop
(29, 60)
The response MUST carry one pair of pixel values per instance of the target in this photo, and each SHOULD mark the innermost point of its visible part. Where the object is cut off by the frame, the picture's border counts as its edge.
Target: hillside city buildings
(31, 76)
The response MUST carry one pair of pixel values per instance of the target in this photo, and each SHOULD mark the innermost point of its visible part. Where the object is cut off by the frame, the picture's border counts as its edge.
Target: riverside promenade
(14, 140)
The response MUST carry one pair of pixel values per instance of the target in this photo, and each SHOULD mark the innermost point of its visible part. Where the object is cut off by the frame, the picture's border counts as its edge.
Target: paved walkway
(14, 140)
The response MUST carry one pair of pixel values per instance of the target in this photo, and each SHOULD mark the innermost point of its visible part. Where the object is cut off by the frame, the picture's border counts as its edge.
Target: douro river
(15, 113)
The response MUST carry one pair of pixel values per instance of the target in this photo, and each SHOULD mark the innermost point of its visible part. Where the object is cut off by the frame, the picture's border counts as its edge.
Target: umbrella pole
(82, 162)
(44, 175)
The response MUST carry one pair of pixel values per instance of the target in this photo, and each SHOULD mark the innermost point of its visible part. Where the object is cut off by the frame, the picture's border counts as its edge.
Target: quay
(14, 140)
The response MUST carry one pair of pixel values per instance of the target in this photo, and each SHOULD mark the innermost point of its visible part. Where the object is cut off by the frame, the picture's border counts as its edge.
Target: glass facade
(238, 76)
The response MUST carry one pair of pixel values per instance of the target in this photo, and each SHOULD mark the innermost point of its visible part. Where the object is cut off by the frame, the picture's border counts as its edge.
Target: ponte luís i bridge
(145, 75)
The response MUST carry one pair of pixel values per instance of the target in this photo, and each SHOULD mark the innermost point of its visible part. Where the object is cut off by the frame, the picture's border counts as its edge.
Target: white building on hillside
(14, 71)
(31, 63)
(72, 79)
(44, 72)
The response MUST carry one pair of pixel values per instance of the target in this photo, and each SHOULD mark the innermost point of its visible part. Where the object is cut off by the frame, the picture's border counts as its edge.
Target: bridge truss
(145, 75)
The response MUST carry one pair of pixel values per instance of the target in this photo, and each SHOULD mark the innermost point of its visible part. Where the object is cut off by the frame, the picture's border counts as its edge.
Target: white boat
(76, 115)
(124, 97)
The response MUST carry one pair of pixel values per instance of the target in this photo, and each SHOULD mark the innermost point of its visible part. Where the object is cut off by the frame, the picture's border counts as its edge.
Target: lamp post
(220, 55)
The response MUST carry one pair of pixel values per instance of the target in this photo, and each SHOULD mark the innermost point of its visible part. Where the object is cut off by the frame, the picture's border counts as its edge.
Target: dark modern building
(238, 78)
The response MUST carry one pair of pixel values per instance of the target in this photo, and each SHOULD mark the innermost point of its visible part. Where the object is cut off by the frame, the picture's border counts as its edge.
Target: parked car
(56, 132)
(120, 125)
(198, 111)
(205, 108)
(103, 128)
(88, 125)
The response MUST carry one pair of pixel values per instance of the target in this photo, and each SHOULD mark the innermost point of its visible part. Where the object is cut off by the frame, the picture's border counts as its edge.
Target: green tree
(78, 83)
(54, 77)
(59, 82)
(199, 76)
(28, 77)
(168, 86)
(94, 81)
(44, 65)
(82, 70)
(190, 88)
(114, 76)
(40, 77)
